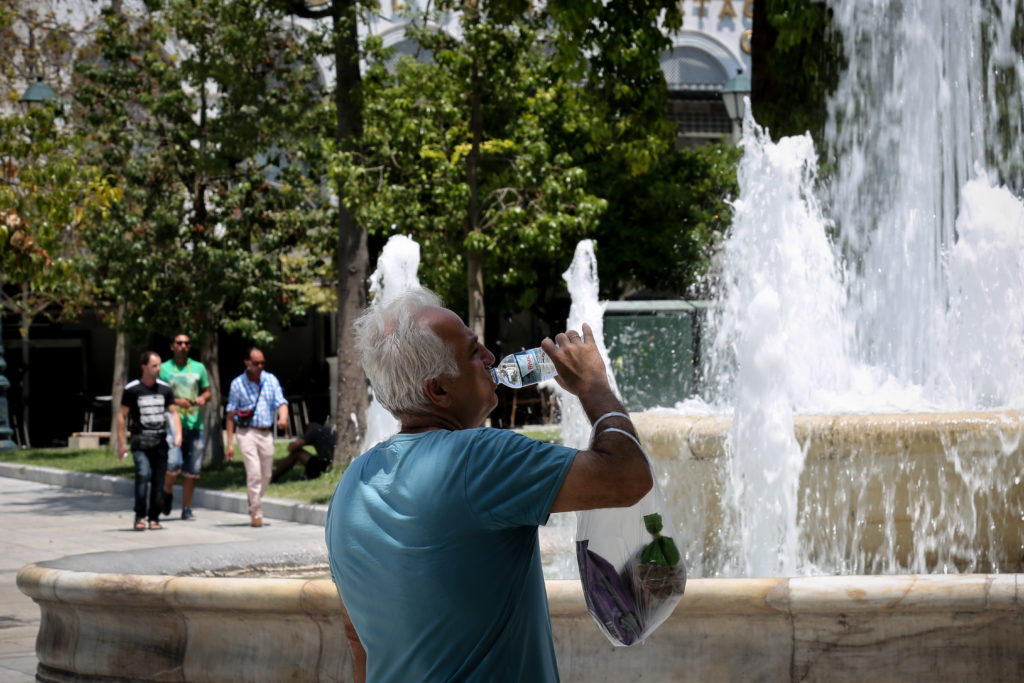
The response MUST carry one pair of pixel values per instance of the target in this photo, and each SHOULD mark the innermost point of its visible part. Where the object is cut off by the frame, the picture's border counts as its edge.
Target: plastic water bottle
(522, 369)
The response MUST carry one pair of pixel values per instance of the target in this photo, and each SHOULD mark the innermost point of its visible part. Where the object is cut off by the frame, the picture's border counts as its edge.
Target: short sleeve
(512, 480)
(204, 380)
(232, 396)
(279, 399)
(168, 397)
(127, 398)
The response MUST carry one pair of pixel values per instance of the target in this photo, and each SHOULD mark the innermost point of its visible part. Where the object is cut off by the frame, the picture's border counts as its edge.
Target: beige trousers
(257, 446)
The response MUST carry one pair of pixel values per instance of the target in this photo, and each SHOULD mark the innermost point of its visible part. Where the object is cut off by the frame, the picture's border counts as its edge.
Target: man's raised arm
(613, 472)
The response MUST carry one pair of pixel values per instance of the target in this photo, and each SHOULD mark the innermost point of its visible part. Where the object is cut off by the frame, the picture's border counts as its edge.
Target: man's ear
(437, 392)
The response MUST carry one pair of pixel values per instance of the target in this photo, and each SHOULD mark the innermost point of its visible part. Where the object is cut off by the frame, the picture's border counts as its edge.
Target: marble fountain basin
(192, 613)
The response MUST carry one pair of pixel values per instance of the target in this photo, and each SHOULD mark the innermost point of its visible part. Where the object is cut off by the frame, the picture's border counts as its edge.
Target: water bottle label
(529, 369)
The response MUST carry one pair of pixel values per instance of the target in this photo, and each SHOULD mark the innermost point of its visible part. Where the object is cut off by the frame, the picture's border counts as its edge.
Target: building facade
(712, 47)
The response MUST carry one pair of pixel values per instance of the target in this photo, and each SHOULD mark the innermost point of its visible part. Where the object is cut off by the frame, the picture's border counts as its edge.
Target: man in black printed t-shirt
(146, 404)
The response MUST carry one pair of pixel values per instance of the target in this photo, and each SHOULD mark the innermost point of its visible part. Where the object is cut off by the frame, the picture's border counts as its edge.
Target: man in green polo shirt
(191, 388)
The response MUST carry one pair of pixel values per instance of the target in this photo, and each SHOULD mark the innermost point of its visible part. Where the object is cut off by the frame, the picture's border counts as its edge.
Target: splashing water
(396, 272)
(917, 305)
(932, 95)
(778, 338)
(581, 279)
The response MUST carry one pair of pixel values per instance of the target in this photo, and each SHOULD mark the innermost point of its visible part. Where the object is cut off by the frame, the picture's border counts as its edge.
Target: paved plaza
(41, 522)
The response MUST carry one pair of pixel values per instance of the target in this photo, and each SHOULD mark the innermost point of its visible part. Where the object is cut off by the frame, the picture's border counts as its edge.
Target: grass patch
(229, 477)
(545, 433)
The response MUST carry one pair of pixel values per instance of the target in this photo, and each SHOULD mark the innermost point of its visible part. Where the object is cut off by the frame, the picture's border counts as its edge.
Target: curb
(228, 501)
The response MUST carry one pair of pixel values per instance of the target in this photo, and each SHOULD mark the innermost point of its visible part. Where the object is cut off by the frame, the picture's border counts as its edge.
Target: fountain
(396, 272)
(888, 299)
(850, 487)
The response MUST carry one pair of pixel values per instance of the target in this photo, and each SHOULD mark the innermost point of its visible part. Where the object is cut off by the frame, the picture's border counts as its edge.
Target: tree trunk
(26, 322)
(352, 259)
(474, 259)
(764, 86)
(213, 411)
(475, 282)
(120, 377)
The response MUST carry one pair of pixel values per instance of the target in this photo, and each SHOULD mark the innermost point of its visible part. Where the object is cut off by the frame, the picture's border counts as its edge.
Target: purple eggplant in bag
(608, 597)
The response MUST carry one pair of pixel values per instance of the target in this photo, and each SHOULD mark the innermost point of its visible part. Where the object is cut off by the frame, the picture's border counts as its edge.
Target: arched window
(695, 71)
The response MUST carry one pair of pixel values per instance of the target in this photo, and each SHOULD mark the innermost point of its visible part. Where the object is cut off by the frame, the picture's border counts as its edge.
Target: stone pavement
(40, 521)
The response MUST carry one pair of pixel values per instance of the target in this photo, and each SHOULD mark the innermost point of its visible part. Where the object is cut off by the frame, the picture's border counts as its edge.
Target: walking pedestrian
(147, 405)
(253, 400)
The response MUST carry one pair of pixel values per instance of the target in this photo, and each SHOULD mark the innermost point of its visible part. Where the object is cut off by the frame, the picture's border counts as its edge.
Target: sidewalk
(44, 521)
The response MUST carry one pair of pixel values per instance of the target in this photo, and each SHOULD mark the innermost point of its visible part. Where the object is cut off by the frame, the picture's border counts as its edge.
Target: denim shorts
(190, 456)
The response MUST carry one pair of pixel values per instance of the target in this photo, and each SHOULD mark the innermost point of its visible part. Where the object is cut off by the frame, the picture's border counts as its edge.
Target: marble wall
(856, 628)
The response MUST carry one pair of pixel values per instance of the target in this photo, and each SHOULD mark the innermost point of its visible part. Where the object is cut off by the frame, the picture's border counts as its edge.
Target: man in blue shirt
(254, 398)
(432, 534)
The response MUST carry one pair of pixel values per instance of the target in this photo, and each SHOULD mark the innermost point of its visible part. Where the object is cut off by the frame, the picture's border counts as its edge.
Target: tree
(227, 206)
(46, 195)
(796, 61)
(122, 78)
(666, 206)
(663, 225)
(457, 154)
(351, 258)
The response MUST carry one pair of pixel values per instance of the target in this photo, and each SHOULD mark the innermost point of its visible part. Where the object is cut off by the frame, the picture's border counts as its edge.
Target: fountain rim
(74, 580)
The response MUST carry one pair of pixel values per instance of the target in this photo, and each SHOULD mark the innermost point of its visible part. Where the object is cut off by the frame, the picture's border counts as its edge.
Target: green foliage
(47, 195)
(661, 226)
(616, 48)
(126, 96)
(662, 550)
(572, 147)
(413, 178)
(800, 70)
(220, 157)
(665, 206)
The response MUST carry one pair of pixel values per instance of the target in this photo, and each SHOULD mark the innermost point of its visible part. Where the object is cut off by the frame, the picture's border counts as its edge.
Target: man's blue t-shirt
(432, 540)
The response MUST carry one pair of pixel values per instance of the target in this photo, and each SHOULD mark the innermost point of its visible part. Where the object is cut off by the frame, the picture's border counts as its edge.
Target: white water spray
(396, 272)
(924, 310)
(581, 279)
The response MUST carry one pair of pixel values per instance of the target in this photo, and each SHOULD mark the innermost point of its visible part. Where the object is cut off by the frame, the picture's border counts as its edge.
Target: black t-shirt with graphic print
(147, 413)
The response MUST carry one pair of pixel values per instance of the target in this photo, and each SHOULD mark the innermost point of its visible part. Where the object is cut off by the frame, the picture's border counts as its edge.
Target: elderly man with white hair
(432, 534)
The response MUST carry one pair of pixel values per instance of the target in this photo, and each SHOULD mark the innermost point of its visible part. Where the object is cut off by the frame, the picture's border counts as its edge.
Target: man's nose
(489, 357)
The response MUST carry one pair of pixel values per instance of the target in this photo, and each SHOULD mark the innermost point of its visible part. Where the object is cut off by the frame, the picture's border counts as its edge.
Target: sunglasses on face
(182, 343)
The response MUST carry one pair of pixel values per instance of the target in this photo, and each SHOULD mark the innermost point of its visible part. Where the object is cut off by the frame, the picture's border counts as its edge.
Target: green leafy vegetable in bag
(662, 550)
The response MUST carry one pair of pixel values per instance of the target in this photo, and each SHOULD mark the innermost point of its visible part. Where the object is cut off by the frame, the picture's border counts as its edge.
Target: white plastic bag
(628, 596)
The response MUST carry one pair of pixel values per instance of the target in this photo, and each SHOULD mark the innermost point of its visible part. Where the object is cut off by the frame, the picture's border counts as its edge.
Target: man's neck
(414, 424)
(147, 380)
(254, 380)
(180, 363)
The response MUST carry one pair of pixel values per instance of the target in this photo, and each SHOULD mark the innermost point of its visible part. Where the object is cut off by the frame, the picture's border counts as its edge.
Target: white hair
(400, 353)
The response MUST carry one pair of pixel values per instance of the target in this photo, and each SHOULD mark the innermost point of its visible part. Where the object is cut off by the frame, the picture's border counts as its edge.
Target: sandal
(153, 524)
(140, 524)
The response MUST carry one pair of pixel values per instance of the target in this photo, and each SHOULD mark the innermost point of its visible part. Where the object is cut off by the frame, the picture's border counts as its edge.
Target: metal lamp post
(734, 92)
(37, 93)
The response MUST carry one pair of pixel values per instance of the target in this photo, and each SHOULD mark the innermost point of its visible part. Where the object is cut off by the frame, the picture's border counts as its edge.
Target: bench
(87, 439)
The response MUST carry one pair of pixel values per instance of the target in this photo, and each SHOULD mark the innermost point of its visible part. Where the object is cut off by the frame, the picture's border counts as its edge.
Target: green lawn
(230, 477)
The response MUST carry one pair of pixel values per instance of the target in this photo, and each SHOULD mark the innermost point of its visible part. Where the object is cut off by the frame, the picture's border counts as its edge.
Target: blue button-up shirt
(244, 392)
